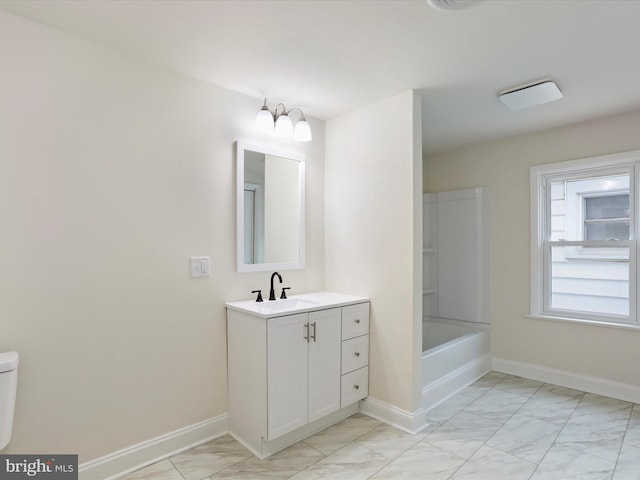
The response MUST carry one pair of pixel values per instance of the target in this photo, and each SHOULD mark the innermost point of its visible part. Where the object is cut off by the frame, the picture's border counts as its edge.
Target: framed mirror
(269, 208)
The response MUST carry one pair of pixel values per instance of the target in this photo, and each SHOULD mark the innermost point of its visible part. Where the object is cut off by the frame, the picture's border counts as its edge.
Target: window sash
(549, 310)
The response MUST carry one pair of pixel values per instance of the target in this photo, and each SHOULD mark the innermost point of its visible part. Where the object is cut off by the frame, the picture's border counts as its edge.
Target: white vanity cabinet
(294, 367)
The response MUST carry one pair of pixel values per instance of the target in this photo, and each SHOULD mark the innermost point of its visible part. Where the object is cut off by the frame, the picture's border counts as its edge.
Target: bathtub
(455, 354)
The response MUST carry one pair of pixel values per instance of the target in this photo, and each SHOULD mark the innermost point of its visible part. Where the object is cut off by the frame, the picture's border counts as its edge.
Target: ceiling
(330, 56)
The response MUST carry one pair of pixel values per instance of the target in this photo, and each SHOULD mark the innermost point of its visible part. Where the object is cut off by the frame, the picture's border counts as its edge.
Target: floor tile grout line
(582, 394)
(176, 468)
(463, 410)
(537, 464)
(601, 418)
(357, 441)
(484, 443)
(491, 436)
(564, 424)
(376, 453)
(324, 455)
(380, 469)
(390, 461)
(250, 455)
(352, 442)
(626, 431)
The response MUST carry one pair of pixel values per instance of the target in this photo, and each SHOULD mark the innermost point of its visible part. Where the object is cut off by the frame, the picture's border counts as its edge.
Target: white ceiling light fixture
(531, 95)
(280, 124)
(449, 5)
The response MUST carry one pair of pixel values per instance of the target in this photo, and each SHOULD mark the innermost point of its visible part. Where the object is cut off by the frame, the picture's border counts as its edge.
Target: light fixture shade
(264, 120)
(284, 127)
(302, 132)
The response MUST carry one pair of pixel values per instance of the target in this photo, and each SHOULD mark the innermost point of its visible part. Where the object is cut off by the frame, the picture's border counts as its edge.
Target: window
(583, 250)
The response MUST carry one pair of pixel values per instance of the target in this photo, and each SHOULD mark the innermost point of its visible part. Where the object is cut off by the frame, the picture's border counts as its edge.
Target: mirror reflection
(270, 209)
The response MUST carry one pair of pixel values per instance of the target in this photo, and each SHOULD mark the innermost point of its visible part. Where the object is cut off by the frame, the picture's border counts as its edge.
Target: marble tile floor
(500, 427)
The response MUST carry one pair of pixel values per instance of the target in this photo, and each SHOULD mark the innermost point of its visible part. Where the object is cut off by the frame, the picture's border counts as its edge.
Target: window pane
(607, 230)
(607, 206)
(587, 285)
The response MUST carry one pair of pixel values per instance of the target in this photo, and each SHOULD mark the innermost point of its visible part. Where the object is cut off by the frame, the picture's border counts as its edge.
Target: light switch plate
(200, 266)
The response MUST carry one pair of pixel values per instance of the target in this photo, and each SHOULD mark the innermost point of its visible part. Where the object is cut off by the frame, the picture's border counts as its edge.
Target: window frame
(541, 178)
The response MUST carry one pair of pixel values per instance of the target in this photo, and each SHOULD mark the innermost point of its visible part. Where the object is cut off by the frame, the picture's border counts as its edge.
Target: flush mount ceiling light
(531, 95)
(280, 124)
(448, 5)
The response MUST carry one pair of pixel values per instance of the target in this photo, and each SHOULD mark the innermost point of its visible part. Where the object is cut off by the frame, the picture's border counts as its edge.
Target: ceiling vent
(449, 5)
(531, 95)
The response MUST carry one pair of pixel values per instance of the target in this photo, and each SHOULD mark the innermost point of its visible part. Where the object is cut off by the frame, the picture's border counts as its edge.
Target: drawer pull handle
(357, 354)
(357, 387)
(306, 327)
(357, 320)
(314, 331)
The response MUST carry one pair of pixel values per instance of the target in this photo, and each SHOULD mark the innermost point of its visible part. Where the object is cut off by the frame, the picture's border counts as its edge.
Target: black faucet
(272, 292)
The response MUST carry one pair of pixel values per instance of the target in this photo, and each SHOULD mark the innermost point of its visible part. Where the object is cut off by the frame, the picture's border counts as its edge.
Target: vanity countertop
(306, 302)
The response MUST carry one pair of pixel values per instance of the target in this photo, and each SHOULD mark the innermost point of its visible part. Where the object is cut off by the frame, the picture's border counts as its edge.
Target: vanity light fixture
(279, 123)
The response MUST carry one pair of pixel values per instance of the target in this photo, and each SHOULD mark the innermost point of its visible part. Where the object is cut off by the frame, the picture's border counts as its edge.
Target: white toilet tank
(8, 384)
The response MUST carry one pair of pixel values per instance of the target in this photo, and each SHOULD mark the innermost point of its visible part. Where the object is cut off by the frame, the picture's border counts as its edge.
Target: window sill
(582, 321)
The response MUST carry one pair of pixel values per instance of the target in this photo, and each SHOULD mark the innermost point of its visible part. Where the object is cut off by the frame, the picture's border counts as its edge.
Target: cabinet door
(324, 362)
(287, 365)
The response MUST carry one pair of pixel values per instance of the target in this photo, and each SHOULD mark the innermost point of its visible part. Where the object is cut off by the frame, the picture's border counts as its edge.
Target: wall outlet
(200, 266)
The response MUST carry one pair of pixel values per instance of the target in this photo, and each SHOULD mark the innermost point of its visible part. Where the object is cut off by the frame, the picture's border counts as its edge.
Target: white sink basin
(295, 304)
(287, 305)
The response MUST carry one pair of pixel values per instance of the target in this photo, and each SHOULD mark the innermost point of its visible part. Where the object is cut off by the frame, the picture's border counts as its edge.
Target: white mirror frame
(267, 150)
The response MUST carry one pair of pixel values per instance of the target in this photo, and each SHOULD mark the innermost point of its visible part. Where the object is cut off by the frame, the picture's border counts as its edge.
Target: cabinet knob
(357, 387)
(357, 354)
(357, 320)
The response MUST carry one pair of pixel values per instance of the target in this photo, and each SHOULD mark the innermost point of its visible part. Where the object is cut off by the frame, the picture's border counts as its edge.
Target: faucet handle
(259, 292)
(284, 293)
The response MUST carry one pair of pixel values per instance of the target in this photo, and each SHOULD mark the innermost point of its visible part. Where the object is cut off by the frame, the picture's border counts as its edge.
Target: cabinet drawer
(355, 320)
(355, 353)
(355, 386)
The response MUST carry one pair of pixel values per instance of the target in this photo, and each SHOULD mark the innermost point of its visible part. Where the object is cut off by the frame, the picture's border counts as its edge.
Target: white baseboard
(455, 381)
(586, 383)
(124, 461)
(407, 421)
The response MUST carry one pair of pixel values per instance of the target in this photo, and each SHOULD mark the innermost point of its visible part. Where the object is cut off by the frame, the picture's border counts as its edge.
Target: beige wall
(503, 166)
(373, 235)
(112, 174)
